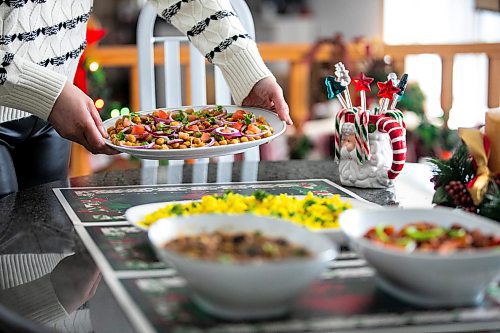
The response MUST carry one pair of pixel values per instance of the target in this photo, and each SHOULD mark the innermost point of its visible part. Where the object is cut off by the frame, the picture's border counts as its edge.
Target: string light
(125, 111)
(115, 113)
(99, 103)
(94, 66)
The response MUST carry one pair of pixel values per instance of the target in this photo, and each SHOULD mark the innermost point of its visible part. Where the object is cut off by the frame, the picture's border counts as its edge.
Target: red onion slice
(210, 143)
(171, 142)
(233, 132)
(162, 120)
(226, 122)
(193, 122)
(207, 129)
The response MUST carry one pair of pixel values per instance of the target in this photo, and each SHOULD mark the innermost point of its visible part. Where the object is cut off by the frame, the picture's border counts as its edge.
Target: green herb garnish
(177, 209)
(248, 119)
(260, 195)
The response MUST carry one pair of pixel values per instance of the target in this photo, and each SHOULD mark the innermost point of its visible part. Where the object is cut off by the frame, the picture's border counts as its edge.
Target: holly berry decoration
(450, 182)
(458, 193)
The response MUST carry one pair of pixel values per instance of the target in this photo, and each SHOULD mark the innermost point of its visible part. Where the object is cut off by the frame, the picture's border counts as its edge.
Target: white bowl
(426, 279)
(243, 291)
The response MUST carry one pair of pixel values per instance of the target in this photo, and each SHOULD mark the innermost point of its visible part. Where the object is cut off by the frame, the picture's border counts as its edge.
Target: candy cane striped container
(385, 157)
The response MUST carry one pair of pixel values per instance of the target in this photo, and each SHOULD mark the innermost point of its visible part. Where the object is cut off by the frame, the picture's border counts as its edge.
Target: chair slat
(200, 171)
(174, 171)
(149, 172)
(198, 77)
(173, 84)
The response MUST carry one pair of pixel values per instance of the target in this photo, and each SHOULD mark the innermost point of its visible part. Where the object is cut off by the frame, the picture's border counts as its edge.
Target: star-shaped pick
(387, 89)
(333, 87)
(362, 82)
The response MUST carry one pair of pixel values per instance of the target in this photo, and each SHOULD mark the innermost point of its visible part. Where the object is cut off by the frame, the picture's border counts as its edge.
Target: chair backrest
(173, 90)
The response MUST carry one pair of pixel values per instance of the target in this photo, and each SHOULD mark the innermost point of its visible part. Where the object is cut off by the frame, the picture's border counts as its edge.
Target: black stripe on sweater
(45, 31)
(6, 61)
(202, 25)
(224, 45)
(60, 60)
(168, 13)
(55, 61)
(19, 3)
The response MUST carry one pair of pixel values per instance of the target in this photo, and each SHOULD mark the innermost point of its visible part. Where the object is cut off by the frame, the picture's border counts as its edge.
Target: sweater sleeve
(27, 86)
(213, 27)
(35, 300)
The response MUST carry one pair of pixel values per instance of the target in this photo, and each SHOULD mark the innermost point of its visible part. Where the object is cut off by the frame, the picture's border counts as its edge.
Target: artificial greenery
(460, 167)
(98, 87)
(300, 147)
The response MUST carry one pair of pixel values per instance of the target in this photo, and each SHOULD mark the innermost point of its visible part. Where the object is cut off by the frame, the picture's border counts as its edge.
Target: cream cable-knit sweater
(42, 40)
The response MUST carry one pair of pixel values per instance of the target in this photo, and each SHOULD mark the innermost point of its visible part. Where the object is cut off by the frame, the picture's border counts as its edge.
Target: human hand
(75, 280)
(75, 118)
(268, 94)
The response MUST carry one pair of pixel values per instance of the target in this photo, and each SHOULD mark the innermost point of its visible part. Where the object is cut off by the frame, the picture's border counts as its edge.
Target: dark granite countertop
(33, 221)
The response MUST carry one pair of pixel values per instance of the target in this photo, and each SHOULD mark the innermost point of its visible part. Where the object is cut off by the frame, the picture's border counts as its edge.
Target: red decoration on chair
(93, 36)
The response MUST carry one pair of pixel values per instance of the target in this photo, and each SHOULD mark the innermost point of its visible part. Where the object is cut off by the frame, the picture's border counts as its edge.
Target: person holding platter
(40, 45)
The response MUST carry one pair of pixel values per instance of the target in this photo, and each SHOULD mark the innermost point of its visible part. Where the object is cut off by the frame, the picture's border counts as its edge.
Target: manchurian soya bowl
(243, 290)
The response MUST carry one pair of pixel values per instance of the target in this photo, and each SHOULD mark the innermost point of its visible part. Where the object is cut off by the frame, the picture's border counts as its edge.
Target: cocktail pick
(343, 77)
(386, 92)
(335, 89)
(362, 85)
(402, 87)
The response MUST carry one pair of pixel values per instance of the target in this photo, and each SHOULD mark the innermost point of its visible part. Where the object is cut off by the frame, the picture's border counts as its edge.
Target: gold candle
(492, 130)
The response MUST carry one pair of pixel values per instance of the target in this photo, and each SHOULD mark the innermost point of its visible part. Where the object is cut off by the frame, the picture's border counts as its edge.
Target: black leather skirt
(31, 153)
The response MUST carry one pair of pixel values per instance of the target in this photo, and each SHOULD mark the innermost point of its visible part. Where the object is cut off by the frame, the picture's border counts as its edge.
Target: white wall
(352, 18)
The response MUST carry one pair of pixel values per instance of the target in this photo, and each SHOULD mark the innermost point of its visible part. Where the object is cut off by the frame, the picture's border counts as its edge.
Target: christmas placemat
(107, 205)
(155, 298)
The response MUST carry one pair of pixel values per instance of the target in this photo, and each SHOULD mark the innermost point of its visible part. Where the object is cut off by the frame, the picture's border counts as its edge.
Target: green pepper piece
(380, 232)
(414, 233)
(407, 243)
(456, 233)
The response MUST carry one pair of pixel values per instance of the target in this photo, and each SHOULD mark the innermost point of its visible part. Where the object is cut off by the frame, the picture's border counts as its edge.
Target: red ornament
(362, 82)
(80, 80)
(387, 89)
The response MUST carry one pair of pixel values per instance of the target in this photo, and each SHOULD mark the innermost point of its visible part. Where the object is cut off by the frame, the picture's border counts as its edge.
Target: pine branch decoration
(456, 173)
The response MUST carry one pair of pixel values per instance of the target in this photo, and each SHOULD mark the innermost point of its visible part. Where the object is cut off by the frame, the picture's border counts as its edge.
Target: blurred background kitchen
(449, 48)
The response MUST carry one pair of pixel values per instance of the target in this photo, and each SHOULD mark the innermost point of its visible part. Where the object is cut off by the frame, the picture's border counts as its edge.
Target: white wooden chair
(173, 93)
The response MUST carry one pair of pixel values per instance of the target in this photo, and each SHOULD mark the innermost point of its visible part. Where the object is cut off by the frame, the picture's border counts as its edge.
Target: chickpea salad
(188, 128)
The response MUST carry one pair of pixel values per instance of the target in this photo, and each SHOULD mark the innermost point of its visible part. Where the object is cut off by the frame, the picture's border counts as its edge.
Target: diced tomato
(138, 130)
(162, 114)
(238, 126)
(254, 128)
(205, 137)
(240, 114)
(193, 128)
(191, 117)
